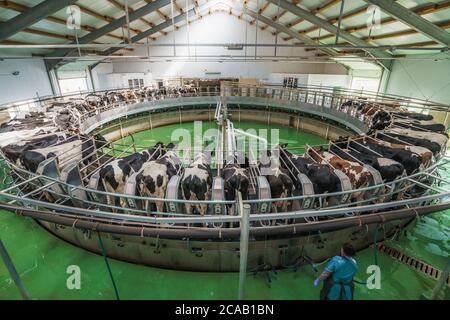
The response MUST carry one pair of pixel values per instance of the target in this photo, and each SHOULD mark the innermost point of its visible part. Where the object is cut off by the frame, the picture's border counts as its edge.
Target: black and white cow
(412, 162)
(351, 105)
(434, 147)
(280, 182)
(414, 115)
(73, 149)
(95, 100)
(14, 151)
(32, 120)
(380, 120)
(430, 136)
(111, 97)
(68, 118)
(322, 176)
(154, 176)
(15, 137)
(236, 179)
(196, 183)
(113, 175)
(420, 124)
(424, 153)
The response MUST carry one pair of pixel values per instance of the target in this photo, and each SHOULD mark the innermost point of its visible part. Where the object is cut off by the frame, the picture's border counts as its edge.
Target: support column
(243, 249)
(54, 84)
(384, 81)
(91, 79)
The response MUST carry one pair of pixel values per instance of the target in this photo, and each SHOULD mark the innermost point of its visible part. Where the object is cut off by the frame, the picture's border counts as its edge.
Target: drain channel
(414, 263)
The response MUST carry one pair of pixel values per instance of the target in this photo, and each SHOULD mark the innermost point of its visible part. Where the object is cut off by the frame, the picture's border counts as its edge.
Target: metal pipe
(127, 19)
(243, 249)
(13, 272)
(173, 28)
(256, 29)
(338, 29)
(276, 34)
(298, 229)
(225, 218)
(102, 248)
(224, 44)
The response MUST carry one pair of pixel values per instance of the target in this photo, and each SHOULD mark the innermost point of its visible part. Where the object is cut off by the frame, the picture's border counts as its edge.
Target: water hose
(100, 242)
(375, 246)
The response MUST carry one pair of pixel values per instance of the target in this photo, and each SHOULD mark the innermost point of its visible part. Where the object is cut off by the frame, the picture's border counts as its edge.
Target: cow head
(315, 154)
(380, 121)
(100, 141)
(341, 142)
(170, 146)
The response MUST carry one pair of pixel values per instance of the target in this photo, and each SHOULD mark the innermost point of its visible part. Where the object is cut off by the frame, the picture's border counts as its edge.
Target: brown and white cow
(359, 176)
(128, 96)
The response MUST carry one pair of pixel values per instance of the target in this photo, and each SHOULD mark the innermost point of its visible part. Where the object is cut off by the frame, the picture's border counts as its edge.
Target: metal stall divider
(130, 190)
(70, 174)
(217, 194)
(49, 168)
(345, 183)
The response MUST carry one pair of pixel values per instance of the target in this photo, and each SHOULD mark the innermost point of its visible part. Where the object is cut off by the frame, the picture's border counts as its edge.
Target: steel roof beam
(31, 16)
(376, 53)
(420, 10)
(413, 20)
(288, 31)
(138, 13)
(153, 30)
(21, 8)
(160, 27)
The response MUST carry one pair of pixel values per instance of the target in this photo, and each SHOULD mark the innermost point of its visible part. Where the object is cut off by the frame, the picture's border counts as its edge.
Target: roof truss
(413, 20)
(411, 17)
(302, 13)
(31, 16)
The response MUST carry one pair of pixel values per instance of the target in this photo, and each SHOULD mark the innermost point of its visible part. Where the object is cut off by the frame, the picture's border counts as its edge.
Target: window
(365, 84)
(135, 83)
(289, 82)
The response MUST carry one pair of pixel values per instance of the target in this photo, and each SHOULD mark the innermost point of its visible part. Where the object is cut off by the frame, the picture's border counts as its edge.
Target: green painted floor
(42, 261)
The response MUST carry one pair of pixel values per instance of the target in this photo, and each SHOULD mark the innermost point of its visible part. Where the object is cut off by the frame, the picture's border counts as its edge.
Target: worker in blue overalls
(338, 276)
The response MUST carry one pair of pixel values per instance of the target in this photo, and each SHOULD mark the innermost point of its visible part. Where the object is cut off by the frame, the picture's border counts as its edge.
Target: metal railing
(320, 98)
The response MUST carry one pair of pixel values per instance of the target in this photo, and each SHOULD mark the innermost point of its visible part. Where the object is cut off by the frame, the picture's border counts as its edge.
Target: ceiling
(95, 15)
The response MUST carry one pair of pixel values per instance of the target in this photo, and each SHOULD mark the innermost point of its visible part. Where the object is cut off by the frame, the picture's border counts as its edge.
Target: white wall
(73, 85)
(329, 80)
(421, 79)
(111, 75)
(216, 28)
(32, 80)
